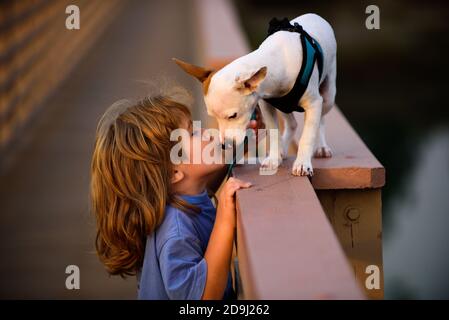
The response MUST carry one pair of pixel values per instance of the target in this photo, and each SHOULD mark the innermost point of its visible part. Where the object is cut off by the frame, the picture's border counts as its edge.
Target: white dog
(283, 60)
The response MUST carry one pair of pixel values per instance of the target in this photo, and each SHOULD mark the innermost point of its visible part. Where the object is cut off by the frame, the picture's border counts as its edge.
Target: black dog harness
(311, 52)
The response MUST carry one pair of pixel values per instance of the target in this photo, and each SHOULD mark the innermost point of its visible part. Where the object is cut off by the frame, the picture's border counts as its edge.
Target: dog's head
(231, 99)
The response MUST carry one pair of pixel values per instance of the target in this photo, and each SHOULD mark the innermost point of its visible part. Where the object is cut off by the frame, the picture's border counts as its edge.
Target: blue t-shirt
(174, 266)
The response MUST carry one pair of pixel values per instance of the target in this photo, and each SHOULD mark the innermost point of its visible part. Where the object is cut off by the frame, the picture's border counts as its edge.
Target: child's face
(199, 170)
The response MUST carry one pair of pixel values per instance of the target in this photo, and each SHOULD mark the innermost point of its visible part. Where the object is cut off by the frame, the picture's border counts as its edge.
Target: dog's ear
(198, 72)
(249, 84)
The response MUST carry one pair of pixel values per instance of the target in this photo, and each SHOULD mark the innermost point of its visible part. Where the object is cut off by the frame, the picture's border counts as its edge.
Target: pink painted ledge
(286, 246)
(352, 165)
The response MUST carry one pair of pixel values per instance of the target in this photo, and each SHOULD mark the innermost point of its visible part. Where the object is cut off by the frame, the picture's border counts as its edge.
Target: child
(154, 218)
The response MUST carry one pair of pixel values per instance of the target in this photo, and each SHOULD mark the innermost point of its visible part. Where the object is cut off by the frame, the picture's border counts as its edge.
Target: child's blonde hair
(130, 176)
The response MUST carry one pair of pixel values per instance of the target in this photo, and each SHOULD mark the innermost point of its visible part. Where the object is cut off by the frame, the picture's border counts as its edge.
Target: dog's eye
(233, 116)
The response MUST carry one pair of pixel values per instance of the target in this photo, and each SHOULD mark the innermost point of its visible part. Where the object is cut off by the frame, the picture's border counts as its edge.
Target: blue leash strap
(234, 160)
(253, 116)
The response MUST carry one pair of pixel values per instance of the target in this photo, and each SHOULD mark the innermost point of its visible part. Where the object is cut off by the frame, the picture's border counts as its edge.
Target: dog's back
(322, 32)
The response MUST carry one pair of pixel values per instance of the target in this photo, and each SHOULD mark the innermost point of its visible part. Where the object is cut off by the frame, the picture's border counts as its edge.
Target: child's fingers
(244, 184)
(259, 121)
(239, 182)
(235, 184)
(230, 188)
(253, 124)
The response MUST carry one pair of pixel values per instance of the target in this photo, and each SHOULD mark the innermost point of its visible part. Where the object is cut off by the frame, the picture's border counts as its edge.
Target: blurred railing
(299, 238)
(37, 52)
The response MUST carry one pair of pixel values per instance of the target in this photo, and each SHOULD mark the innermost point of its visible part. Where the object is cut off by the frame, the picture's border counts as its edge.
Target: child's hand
(219, 249)
(226, 198)
(257, 124)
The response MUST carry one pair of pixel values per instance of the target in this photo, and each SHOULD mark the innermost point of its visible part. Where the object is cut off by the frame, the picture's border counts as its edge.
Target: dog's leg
(290, 126)
(322, 150)
(312, 116)
(274, 158)
(327, 90)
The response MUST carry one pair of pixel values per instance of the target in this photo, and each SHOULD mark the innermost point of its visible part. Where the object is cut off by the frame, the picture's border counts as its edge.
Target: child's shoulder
(176, 224)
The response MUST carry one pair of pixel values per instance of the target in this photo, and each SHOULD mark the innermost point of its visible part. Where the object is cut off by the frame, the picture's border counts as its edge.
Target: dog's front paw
(322, 152)
(270, 163)
(302, 167)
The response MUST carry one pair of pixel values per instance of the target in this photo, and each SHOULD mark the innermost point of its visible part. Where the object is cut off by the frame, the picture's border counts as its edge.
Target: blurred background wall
(37, 52)
(55, 84)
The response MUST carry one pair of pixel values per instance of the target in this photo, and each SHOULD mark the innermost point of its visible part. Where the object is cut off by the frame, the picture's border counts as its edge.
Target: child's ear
(177, 176)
